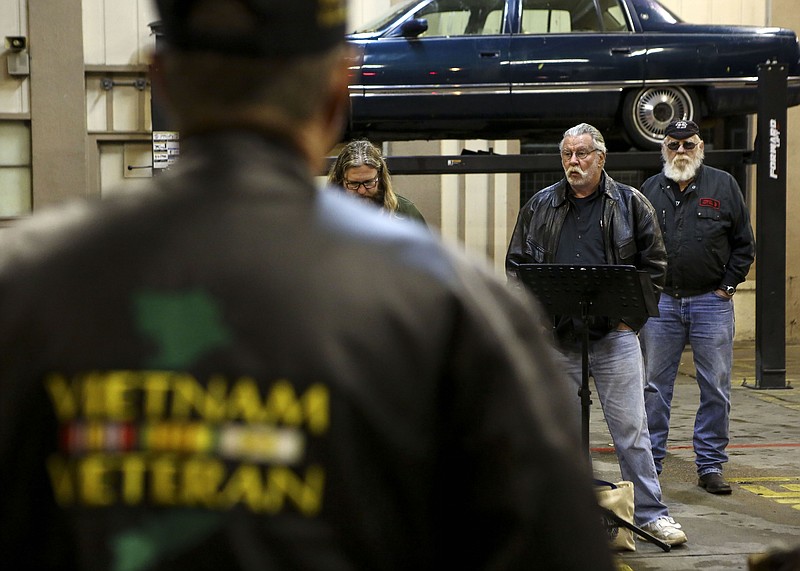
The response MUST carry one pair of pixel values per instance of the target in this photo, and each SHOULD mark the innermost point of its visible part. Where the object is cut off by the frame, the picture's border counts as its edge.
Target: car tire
(647, 112)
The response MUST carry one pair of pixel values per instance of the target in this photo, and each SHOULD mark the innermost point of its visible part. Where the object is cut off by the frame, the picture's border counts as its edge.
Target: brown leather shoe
(714, 483)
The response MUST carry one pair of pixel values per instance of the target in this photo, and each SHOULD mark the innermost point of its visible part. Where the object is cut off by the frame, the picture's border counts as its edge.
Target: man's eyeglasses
(675, 145)
(367, 184)
(580, 153)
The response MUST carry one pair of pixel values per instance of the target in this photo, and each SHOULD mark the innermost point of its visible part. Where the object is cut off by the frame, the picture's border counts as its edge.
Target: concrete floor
(764, 469)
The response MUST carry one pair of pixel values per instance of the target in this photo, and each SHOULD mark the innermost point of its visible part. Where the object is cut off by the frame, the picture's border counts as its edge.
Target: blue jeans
(615, 363)
(706, 323)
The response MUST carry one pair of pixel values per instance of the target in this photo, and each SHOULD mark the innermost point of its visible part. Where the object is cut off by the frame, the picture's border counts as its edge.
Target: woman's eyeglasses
(675, 145)
(367, 184)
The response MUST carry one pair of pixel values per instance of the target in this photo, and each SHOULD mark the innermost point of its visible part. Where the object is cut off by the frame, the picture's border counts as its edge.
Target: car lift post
(771, 228)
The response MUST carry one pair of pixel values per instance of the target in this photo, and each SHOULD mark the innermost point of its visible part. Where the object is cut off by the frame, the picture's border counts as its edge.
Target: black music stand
(592, 290)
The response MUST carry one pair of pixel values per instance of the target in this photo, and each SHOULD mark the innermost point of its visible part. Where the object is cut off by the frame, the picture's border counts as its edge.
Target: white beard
(682, 168)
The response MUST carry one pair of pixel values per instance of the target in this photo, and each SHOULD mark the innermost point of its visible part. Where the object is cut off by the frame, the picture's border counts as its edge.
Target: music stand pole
(584, 392)
(597, 290)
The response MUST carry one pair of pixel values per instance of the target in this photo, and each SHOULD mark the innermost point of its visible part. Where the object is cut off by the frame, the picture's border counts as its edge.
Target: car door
(454, 71)
(573, 58)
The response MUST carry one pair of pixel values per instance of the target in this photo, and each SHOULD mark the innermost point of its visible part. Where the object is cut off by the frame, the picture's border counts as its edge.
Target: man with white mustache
(710, 248)
(589, 218)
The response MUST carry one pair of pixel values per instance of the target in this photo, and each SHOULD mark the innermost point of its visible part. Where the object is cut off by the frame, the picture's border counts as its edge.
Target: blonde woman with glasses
(360, 169)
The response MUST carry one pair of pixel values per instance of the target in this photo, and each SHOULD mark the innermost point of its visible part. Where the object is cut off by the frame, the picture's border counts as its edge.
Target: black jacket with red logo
(234, 370)
(708, 236)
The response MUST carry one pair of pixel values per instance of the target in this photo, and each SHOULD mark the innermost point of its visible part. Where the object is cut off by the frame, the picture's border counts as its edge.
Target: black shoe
(714, 483)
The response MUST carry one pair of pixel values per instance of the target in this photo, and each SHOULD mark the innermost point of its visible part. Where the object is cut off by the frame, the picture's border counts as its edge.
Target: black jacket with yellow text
(234, 370)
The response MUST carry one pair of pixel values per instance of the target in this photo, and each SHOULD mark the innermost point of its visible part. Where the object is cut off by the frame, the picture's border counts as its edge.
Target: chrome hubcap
(658, 106)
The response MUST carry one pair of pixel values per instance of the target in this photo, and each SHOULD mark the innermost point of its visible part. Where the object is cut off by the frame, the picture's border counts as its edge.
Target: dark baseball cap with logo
(681, 129)
(274, 28)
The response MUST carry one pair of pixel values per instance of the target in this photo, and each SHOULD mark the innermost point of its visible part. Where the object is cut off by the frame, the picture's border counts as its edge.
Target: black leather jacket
(235, 370)
(631, 234)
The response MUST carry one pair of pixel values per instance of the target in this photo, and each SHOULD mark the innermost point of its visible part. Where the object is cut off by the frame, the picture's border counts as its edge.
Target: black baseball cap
(681, 129)
(279, 28)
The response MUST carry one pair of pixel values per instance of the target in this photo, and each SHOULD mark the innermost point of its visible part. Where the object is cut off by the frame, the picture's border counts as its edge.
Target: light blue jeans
(615, 363)
(706, 323)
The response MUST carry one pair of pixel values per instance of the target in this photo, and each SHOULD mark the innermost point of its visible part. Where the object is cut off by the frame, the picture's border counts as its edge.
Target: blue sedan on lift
(498, 69)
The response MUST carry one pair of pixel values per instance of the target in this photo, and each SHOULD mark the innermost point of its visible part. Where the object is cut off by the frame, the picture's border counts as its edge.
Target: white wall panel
(121, 32)
(14, 92)
(114, 161)
(117, 32)
(13, 18)
(725, 11)
(94, 35)
(451, 197)
(15, 149)
(754, 13)
(15, 191)
(506, 206)
(748, 12)
(477, 207)
(697, 12)
(10, 15)
(362, 11)
(15, 171)
(96, 114)
(127, 105)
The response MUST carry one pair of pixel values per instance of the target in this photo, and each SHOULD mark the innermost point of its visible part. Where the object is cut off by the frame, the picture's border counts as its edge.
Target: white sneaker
(667, 530)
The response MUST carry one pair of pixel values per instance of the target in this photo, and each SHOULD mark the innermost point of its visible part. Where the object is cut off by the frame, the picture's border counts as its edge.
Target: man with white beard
(710, 248)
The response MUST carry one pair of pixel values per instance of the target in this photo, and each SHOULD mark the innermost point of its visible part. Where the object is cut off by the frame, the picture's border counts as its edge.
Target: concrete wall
(58, 120)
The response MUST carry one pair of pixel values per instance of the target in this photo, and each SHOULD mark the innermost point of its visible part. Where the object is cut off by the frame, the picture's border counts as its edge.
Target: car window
(564, 16)
(545, 21)
(613, 17)
(462, 17)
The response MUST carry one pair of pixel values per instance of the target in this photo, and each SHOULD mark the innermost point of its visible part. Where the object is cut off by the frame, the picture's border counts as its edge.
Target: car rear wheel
(647, 112)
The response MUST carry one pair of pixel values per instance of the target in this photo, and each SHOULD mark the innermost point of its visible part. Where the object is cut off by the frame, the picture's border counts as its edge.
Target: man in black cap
(232, 370)
(710, 247)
